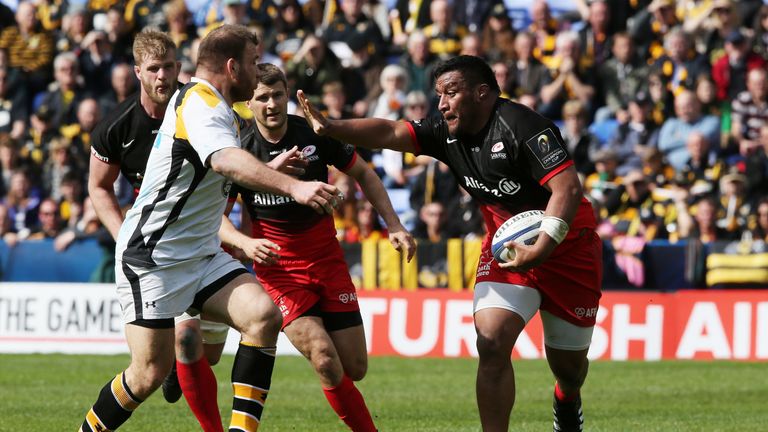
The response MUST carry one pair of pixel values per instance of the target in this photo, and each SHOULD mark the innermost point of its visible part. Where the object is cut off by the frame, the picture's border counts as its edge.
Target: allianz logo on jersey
(309, 153)
(267, 199)
(506, 186)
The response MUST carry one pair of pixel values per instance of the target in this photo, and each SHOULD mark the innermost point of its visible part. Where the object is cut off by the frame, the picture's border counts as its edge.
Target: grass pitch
(53, 392)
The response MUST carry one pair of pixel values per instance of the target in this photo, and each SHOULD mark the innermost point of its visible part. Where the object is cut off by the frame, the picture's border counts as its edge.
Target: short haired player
(168, 255)
(303, 268)
(511, 160)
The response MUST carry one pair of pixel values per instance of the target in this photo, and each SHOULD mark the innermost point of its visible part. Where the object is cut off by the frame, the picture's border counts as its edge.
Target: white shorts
(163, 293)
(213, 332)
(525, 301)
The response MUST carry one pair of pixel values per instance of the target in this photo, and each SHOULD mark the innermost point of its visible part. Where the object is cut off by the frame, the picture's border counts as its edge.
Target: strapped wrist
(555, 227)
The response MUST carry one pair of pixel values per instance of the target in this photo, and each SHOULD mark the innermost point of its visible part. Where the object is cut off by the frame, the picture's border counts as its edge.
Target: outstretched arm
(244, 169)
(368, 132)
(371, 185)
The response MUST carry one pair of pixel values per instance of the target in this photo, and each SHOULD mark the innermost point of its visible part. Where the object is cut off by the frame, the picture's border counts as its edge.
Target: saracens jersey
(504, 166)
(125, 137)
(177, 214)
(296, 228)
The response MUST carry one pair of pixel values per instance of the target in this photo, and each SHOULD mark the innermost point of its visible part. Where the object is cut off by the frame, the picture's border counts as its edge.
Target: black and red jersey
(505, 165)
(280, 218)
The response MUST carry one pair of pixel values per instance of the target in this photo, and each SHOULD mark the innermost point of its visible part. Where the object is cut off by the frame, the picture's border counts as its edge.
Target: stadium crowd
(663, 104)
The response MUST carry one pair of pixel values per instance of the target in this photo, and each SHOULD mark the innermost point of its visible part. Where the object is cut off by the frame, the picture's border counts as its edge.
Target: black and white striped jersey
(177, 214)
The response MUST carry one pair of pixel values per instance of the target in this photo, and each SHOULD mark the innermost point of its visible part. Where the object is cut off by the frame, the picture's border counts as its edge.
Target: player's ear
(482, 91)
(231, 67)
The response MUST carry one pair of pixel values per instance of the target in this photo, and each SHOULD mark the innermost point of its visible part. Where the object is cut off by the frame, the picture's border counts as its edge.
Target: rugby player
(510, 159)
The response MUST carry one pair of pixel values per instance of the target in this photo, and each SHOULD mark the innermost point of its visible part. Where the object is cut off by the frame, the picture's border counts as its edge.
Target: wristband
(555, 228)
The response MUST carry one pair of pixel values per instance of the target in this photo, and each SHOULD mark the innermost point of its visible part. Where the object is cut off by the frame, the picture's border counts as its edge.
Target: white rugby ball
(520, 228)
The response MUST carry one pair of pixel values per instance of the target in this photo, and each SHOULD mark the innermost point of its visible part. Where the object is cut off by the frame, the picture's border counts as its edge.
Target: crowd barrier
(700, 325)
(446, 265)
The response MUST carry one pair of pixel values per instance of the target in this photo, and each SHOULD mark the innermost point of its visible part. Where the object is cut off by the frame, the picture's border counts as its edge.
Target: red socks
(562, 397)
(349, 404)
(198, 383)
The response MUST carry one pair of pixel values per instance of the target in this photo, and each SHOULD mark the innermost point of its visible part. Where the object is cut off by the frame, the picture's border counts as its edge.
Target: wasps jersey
(177, 214)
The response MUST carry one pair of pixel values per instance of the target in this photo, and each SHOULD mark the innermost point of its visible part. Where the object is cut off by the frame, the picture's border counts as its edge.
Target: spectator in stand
(287, 31)
(604, 180)
(702, 226)
(14, 106)
(122, 85)
(144, 13)
(7, 233)
(580, 142)
(730, 72)
(545, 29)
(749, 111)
(760, 32)
(179, 27)
(29, 49)
(472, 44)
(431, 228)
(724, 22)
(755, 161)
(49, 221)
(662, 100)
(650, 25)
(394, 84)
(96, 62)
(656, 169)
(352, 24)
(418, 63)
(34, 147)
(503, 78)
(703, 163)
(735, 199)
(634, 134)
(58, 164)
(569, 80)
(83, 223)
(119, 34)
(473, 14)
(527, 73)
(66, 92)
(22, 204)
(10, 161)
(362, 77)
(88, 116)
(689, 119)
(499, 36)
(76, 24)
(680, 65)
(760, 222)
(706, 92)
(621, 78)
(595, 37)
(444, 33)
(312, 66)
(411, 15)
(335, 102)
(368, 226)
(72, 196)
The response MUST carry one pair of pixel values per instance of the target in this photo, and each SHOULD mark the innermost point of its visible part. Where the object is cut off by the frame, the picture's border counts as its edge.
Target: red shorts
(297, 285)
(569, 280)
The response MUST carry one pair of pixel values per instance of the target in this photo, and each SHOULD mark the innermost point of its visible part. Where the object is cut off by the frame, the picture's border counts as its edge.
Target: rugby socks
(113, 407)
(251, 378)
(198, 384)
(349, 404)
(562, 397)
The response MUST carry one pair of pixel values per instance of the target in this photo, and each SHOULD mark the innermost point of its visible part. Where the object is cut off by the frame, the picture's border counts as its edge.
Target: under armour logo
(150, 305)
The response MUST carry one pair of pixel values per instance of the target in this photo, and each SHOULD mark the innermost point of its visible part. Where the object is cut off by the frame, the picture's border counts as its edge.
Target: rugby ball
(520, 228)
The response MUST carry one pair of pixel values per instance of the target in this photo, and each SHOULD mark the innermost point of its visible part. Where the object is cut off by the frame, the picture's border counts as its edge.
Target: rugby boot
(568, 416)
(171, 387)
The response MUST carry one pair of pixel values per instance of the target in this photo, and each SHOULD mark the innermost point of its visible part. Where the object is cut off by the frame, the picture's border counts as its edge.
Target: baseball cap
(641, 98)
(499, 11)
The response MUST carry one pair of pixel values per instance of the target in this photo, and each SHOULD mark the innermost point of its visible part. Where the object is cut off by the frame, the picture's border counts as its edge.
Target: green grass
(53, 392)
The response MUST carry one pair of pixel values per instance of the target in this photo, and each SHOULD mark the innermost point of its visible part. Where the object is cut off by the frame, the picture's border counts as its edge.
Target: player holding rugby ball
(511, 160)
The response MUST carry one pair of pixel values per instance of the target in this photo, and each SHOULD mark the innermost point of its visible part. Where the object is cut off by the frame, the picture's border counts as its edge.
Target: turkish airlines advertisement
(730, 325)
